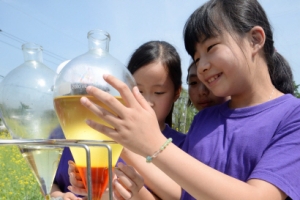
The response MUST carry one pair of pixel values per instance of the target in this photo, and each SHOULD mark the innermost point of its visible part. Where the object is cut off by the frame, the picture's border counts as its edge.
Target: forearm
(145, 194)
(162, 185)
(204, 182)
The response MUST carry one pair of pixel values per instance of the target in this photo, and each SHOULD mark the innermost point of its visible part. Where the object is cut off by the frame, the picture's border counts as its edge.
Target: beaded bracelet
(150, 158)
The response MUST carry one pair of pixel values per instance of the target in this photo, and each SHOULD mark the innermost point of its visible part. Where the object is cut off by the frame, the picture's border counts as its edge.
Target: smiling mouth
(214, 78)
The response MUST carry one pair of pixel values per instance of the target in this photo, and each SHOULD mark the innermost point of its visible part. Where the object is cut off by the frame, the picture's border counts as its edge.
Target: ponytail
(281, 74)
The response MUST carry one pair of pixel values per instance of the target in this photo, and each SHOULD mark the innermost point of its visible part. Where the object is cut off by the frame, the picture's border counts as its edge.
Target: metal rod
(76, 143)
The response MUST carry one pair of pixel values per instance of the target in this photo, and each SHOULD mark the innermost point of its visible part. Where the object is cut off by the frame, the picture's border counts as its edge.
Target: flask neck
(32, 52)
(98, 40)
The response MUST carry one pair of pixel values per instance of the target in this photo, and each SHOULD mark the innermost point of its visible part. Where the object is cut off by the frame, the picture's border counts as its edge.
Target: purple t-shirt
(62, 177)
(177, 137)
(261, 142)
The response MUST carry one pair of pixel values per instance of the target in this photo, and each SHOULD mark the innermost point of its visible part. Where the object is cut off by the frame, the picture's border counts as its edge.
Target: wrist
(149, 158)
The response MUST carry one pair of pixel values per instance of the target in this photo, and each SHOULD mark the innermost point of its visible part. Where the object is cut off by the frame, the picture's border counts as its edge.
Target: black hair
(161, 51)
(238, 16)
(189, 102)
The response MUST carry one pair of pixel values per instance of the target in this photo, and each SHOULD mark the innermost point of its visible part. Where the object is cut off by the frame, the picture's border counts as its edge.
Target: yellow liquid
(43, 161)
(72, 117)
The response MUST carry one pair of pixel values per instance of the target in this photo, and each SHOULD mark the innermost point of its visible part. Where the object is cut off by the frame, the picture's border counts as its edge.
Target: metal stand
(75, 143)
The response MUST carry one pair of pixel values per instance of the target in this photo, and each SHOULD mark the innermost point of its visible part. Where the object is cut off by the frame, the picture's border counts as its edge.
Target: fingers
(120, 192)
(74, 176)
(123, 89)
(112, 133)
(70, 196)
(109, 100)
(100, 112)
(75, 180)
(132, 179)
(128, 183)
(76, 190)
(140, 98)
(72, 167)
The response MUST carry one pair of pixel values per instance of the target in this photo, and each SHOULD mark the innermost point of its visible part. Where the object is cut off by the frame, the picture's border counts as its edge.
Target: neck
(162, 126)
(254, 97)
(258, 87)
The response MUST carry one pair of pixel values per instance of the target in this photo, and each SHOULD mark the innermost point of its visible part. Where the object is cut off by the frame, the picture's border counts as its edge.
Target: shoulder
(168, 131)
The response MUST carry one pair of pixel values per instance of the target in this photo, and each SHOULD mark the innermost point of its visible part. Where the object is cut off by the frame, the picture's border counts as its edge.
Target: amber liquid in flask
(72, 116)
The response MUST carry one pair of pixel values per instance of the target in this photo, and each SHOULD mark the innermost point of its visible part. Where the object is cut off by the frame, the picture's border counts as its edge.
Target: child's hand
(77, 186)
(57, 194)
(128, 182)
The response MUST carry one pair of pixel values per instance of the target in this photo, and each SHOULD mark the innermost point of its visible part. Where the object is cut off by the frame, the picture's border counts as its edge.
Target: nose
(203, 65)
(203, 91)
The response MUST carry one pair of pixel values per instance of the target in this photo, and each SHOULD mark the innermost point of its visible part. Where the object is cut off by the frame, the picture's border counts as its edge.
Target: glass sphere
(89, 68)
(80, 72)
(70, 85)
(26, 99)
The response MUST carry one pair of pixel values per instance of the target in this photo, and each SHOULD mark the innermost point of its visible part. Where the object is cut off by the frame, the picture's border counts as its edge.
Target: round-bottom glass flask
(70, 86)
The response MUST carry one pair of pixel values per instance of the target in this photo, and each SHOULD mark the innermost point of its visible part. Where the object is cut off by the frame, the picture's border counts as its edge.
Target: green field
(17, 182)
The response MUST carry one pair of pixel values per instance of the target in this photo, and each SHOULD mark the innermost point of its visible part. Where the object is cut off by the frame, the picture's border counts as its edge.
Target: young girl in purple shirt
(246, 148)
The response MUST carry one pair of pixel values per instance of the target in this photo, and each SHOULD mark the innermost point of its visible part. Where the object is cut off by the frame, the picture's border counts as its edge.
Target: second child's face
(199, 95)
(157, 88)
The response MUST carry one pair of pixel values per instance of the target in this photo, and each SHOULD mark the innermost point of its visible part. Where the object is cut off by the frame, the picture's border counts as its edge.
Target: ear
(177, 94)
(257, 39)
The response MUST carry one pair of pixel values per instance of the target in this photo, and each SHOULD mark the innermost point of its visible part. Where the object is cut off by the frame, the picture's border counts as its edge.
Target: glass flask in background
(70, 85)
(26, 103)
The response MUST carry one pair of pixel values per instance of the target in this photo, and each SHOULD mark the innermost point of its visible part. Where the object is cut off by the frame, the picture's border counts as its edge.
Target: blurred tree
(183, 114)
(296, 92)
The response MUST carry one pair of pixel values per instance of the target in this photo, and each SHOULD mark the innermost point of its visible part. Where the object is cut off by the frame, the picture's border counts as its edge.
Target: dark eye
(210, 47)
(193, 83)
(159, 93)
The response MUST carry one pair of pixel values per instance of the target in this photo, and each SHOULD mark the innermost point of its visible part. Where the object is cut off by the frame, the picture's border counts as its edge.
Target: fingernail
(88, 122)
(136, 90)
(120, 165)
(83, 99)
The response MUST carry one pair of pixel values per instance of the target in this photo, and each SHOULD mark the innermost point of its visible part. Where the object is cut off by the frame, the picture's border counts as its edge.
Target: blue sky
(61, 27)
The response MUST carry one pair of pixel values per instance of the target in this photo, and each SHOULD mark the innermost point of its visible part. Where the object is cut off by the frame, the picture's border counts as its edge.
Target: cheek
(163, 107)
(193, 93)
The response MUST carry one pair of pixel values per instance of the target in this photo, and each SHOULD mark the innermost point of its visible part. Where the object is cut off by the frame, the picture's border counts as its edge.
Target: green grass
(17, 180)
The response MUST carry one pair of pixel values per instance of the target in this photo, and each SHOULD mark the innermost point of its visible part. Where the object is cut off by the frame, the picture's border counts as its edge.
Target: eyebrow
(192, 76)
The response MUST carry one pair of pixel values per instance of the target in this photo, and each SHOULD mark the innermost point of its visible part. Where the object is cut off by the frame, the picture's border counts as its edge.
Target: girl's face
(223, 65)
(157, 88)
(199, 95)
